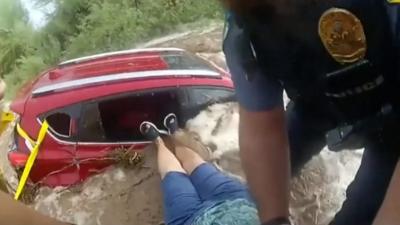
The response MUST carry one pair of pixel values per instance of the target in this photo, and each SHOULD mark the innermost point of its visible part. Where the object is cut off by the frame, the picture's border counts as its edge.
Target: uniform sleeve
(258, 94)
(393, 12)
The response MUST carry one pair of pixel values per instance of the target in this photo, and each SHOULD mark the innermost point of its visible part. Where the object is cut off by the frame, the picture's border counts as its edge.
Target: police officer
(337, 60)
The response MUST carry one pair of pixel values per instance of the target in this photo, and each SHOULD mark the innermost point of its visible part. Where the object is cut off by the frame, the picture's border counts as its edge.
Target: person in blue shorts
(195, 192)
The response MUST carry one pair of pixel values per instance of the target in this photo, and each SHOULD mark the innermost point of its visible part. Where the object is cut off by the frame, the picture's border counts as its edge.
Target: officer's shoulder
(393, 10)
(394, 2)
(393, 7)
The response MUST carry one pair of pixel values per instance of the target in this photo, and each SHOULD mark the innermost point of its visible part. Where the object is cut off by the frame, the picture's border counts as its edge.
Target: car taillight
(17, 159)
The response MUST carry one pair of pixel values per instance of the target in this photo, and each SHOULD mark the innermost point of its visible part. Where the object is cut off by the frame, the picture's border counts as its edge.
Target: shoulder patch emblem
(342, 34)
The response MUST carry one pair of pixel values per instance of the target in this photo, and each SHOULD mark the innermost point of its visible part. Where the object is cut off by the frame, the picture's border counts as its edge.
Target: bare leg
(210, 183)
(167, 162)
(189, 159)
(180, 197)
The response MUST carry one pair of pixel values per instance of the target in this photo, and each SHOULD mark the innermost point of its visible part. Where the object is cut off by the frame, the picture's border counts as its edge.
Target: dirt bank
(6, 171)
(3, 186)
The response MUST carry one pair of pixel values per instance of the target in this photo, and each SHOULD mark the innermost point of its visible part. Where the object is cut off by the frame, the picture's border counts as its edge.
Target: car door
(94, 148)
(55, 165)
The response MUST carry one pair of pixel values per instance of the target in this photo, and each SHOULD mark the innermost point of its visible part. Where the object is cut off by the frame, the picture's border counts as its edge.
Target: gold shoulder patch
(394, 1)
(343, 36)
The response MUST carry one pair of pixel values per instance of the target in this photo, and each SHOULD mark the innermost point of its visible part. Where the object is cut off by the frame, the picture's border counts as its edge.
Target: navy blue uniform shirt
(297, 60)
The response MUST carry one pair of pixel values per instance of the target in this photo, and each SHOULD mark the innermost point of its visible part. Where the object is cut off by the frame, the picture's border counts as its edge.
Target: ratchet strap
(32, 156)
(24, 135)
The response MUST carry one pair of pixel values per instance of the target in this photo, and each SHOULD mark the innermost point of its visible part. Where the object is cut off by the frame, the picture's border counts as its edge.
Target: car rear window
(210, 95)
(63, 121)
(60, 123)
(185, 61)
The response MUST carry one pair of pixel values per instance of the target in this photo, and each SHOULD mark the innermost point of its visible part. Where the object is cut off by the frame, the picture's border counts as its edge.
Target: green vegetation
(81, 27)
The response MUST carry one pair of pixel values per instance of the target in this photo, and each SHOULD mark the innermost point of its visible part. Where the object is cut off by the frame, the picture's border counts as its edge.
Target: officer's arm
(389, 213)
(263, 137)
(13, 212)
(265, 159)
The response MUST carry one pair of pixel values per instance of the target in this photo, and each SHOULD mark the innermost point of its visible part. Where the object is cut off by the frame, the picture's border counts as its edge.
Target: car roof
(106, 79)
(116, 53)
(108, 69)
(122, 66)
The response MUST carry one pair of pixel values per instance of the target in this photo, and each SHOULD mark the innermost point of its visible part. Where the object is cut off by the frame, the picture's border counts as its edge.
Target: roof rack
(125, 52)
(121, 77)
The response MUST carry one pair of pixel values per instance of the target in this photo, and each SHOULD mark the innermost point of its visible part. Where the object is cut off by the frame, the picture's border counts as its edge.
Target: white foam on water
(82, 218)
(119, 175)
(218, 126)
(317, 193)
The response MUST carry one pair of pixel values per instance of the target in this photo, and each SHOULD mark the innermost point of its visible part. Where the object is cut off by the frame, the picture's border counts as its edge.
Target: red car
(95, 104)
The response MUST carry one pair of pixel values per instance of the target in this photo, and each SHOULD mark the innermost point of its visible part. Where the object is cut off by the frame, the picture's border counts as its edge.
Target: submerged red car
(95, 104)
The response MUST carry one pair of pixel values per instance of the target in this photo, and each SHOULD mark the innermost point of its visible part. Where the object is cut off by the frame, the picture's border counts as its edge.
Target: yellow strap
(31, 160)
(24, 135)
(394, 1)
(7, 117)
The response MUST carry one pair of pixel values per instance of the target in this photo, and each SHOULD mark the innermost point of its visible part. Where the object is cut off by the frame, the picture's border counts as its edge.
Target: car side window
(60, 124)
(63, 121)
(117, 119)
(208, 95)
(91, 127)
